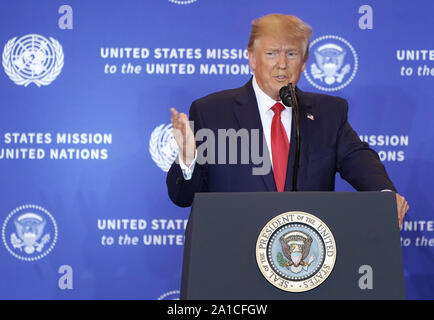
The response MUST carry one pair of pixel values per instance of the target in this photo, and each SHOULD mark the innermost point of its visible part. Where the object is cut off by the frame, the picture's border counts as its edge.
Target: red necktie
(279, 147)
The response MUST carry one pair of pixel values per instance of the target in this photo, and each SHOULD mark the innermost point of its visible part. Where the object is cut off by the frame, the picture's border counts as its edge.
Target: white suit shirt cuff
(187, 172)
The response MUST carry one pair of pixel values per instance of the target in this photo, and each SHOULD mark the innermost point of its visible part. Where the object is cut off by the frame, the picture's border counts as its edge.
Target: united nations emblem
(163, 147)
(32, 58)
(295, 251)
(29, 232)
(335, 63)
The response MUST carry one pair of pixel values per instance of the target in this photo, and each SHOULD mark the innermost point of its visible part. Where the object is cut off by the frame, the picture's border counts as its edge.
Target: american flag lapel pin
(310, 116)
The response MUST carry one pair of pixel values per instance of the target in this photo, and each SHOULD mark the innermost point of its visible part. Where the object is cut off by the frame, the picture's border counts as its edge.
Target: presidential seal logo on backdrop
(163, 147)
(32, 58)
(29, 232)
(182, 1)
(170, 295)
(334, 65)
(296, 251)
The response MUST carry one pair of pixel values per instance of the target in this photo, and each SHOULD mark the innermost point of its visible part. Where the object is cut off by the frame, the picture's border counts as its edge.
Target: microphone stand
(287, 95)
(297, 137)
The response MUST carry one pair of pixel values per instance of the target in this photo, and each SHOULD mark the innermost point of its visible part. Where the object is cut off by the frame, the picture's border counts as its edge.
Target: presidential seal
(29, 232)
(296, 251)
(335, 64)
(170, 295)
(182, 2)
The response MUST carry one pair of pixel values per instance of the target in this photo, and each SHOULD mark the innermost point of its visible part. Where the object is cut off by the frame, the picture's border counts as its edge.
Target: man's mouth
(281, 78)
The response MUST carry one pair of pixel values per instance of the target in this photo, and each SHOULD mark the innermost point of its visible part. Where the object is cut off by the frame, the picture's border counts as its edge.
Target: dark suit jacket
(328, 145)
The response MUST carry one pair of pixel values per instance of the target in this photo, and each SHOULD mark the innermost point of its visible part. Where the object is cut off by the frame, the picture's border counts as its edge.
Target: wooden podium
(221, 237)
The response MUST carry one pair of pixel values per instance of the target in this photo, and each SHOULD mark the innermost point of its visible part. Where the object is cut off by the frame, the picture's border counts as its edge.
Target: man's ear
(252, 60)
(303, 66)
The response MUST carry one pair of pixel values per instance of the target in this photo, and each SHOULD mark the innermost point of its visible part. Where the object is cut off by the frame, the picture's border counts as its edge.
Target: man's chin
(277, 90)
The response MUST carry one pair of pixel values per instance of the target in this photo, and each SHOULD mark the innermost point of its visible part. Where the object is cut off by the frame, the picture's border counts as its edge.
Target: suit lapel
(246, 113)
(306, 124)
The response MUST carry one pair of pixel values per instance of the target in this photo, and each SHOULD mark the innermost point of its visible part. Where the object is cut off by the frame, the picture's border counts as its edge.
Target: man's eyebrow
(280, 49)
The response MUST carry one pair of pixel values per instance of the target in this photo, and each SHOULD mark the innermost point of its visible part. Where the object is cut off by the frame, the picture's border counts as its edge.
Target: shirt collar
(265, 102)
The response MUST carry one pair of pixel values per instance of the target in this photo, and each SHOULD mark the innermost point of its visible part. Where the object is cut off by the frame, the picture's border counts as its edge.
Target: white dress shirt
(264, 105)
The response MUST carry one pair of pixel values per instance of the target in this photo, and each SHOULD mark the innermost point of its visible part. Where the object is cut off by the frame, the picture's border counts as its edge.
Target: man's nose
(281, 62)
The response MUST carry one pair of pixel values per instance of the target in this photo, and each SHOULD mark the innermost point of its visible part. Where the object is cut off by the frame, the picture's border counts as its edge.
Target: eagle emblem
(330, 59)
(296, 249)
(30, 228)
(291, 250)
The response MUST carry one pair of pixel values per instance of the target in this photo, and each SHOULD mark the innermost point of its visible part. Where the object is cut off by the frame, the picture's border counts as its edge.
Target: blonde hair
(281, 26)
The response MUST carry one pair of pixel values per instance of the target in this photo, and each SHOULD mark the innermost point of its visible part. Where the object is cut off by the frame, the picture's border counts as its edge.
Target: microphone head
(285, 96)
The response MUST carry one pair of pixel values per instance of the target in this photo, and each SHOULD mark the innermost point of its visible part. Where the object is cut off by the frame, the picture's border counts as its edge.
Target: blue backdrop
(86, 89)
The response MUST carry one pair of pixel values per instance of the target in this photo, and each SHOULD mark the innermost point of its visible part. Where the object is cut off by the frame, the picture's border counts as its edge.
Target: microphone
(287, 95)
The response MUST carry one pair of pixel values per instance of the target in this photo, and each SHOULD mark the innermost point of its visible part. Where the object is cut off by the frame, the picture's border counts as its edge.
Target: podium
(220, 253)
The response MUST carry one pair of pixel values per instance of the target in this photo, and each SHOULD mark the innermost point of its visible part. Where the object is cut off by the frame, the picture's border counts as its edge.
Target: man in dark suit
(278, 52)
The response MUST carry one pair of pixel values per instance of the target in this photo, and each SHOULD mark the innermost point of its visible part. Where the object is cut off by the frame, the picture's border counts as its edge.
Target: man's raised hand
(184, 136)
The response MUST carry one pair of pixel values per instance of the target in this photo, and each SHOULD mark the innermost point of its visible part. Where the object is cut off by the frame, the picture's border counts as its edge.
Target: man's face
(275, 63)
